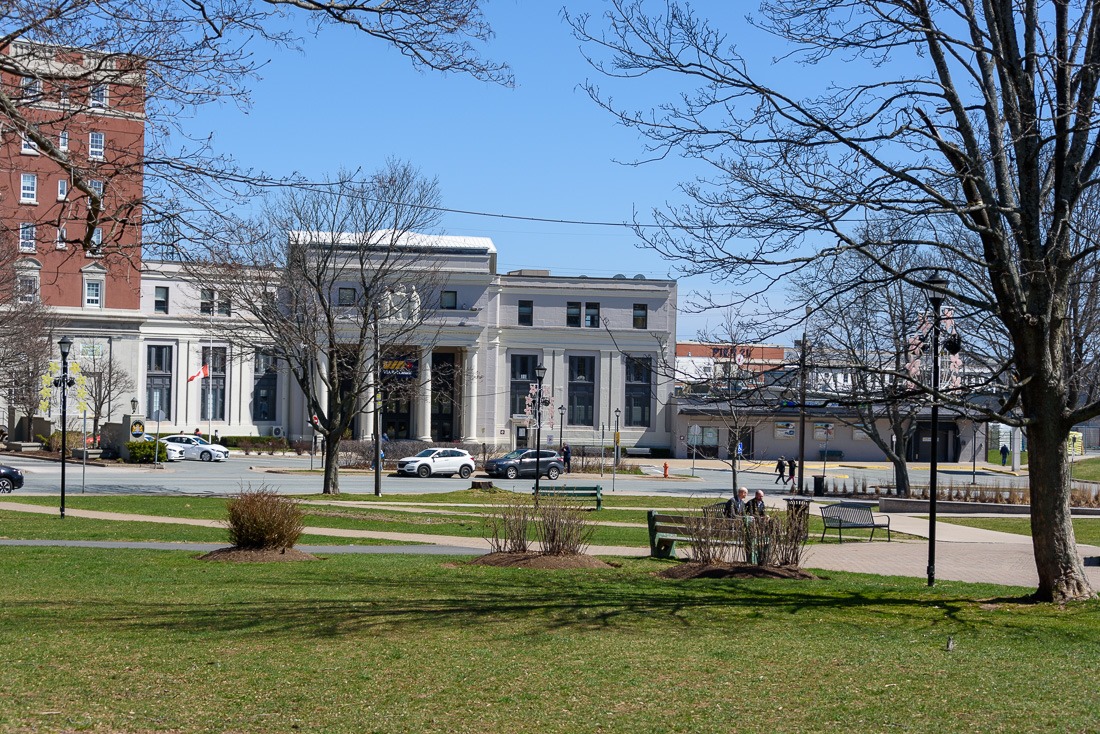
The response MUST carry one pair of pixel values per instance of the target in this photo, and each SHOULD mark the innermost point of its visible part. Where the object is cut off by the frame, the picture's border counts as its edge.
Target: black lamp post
(934, 288)
(63, 382)
(802, 408)
(615, 451)
(540, 373)
(561, 422)
(377, 409)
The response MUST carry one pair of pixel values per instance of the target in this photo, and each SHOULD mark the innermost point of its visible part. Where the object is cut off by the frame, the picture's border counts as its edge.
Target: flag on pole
(204, 371)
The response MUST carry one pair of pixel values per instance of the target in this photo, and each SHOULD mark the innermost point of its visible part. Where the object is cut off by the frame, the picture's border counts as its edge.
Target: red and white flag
(204, 371)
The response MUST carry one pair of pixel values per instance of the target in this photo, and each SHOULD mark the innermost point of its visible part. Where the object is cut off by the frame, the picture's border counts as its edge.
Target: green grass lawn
(127, 641)
(993, 456)
(1087, 470)
(1087, 529)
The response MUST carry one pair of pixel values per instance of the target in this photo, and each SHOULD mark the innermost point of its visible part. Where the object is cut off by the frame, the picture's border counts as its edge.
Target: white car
(173, 451)
(438, 461)
(197, 447)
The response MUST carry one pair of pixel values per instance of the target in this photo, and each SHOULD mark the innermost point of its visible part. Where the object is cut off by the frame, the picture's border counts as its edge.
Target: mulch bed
(248, 555)
(538, 560)
(683, 571)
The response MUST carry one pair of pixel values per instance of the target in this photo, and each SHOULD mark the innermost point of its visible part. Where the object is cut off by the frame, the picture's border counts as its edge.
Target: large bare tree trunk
(1061, 573)
(332, 466)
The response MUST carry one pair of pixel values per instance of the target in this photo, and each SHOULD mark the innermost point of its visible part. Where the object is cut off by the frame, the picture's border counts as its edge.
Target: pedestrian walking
(1004, 454)
(567, 457)
(780, 471)
(791, 465)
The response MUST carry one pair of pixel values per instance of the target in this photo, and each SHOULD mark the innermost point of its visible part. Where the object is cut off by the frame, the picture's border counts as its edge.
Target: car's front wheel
(511, 472)
(465, 472)
(6, 485)
(424, 471)
(552, 473)
(206, 456)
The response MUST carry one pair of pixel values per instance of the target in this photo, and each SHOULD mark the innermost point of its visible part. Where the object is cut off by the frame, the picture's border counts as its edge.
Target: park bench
(574, 493)
(851, 516)
(666, 530)
(637, 451)
(830, 454)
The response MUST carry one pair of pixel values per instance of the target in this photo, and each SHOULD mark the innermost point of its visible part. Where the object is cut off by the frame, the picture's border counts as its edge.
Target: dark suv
(10, 478)
(521, 463)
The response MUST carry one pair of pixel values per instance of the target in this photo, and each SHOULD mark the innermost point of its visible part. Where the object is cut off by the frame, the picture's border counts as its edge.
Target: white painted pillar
(424, 397)
(469, 395)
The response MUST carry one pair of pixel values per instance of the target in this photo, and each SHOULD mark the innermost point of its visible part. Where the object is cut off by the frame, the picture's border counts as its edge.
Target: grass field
(129, 641)
(1087, 529)
(1087, 470)
(356, 514)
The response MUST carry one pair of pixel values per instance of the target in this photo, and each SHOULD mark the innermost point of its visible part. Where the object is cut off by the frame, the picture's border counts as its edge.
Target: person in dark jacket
(1004, 454)
(792, 464)
(780, 471)
(735, 506)
(567, 457)
(756, 504)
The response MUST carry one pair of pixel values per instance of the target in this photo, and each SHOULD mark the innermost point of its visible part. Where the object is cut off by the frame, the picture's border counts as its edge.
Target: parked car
(438, 461)
(173, 451)
(197, 447)
(10, 478)
(521, 463)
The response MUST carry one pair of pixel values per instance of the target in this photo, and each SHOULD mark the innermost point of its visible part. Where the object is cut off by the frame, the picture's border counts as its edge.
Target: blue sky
(542, 149)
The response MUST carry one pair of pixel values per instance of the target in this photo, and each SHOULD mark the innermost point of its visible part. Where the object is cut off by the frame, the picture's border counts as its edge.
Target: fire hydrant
(666, 470)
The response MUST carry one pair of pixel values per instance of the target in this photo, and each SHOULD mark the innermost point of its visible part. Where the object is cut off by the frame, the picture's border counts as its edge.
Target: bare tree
(106, 381)
(160, 59)
(27, 332)
(334, 283)
(974, 117)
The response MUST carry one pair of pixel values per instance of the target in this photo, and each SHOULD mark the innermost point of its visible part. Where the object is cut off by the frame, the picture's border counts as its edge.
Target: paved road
(294, 477)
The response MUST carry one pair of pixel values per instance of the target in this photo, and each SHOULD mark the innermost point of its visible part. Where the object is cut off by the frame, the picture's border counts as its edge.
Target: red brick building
(71, 191)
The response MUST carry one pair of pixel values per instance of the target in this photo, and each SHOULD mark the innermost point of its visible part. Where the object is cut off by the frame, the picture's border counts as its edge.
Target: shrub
(712, 535)
(260, 519)
(508, 524)
(562, 528)
(73, 440)
(141, 452)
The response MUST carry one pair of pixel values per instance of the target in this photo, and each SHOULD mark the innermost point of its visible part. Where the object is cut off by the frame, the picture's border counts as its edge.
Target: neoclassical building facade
(603, 343)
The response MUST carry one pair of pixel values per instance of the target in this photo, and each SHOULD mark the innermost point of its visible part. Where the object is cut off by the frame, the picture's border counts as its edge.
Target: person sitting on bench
(756, 504)
(735, 506)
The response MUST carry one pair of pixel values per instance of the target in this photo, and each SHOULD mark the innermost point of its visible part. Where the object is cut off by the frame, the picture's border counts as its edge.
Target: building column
(424, 397)
(469, 395)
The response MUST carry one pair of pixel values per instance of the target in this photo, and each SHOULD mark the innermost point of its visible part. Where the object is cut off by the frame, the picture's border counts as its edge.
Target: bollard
(666, 470)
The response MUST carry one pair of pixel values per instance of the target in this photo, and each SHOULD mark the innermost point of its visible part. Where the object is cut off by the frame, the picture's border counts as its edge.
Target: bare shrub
(712, 537)
(261, 519)
(793, 529)
(562, 528)
(508, 524)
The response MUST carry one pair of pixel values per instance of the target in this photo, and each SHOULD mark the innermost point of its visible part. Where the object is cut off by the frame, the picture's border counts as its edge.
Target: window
(62, 189)
(63, 100)
(160, 299)
(97, 238)
(97, 97)
(29, 146)
(62, 238)
(573, 313)
(213, 387)
(63, 140)
(97, 187)
(592, 315)
(523, 374)
(27, 288)
(158, 381)
(32, 88)
(93, 293)
(96, 146)
(641, 316)
(28, 189)
(265, 387)
(448, 300)
(27, 237)
(639, 378)
(526, 313)
(345, 297)
(209, 301)
(582, 391)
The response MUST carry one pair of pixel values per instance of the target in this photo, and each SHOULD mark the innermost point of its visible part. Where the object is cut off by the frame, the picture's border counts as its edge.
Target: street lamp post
(561, 423)
(540, 373)
(63, 382)
(377, 409)
(615, 451)
(934, 290)
(802, 409)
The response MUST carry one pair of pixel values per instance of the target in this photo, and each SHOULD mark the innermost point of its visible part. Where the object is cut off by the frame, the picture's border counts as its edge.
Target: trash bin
(819, 485)
(798, 514)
